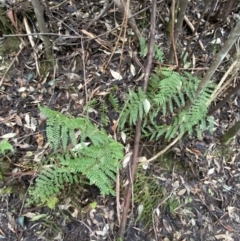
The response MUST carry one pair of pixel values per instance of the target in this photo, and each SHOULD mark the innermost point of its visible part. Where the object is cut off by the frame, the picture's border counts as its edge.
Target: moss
(168, 162)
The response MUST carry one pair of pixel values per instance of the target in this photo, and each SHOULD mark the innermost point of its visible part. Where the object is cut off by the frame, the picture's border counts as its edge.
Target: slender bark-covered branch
(139, 124)
(234, 34)
(42, 27)
(233, 131)
(225, 99)
(177, 28)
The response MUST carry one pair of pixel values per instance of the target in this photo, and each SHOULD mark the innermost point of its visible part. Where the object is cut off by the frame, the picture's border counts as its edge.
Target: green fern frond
(167, 86)
(147, 193)
(98, 162)
(134, 108)
(5, 146)
(195, 117)
(158, 54)
(103, 110)
(143, 47)
(114, 101)
(58, 123)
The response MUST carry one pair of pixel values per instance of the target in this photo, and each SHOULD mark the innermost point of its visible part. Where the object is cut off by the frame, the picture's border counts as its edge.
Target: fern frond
(168, 86)
(134, 108)
(103, 110)
(114, 101)
(98, 162)
(158, 54)
(143, 47)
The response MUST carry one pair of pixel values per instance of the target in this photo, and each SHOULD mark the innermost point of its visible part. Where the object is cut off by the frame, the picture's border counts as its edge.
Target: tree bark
(43, 29)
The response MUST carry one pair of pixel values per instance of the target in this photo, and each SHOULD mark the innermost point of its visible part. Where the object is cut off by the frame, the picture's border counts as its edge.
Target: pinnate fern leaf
(98, 162)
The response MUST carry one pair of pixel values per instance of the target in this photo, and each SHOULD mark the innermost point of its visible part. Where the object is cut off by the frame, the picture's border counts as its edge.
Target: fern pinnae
(64, 137)
(93, 161)
(114, 101)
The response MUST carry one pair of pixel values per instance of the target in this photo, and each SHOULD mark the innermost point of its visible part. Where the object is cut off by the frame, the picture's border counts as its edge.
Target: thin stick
(154, 211)
(163, 151)
(32, 44)
(10, 65)
(105, 9)
(138, 127)
(84, 71)
(193, 30)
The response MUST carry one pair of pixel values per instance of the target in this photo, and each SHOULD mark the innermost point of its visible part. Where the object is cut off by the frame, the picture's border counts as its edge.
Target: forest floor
(199, 180)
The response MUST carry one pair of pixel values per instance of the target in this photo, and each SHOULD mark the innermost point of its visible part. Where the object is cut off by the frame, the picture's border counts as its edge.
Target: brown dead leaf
(195, 151)
(10, 15)
(182, 192)
(18, 120)
(167, 226)
(39, 140)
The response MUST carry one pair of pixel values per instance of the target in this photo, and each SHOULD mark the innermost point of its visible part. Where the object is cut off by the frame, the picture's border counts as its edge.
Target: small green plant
(103, 111)
(158, 53)
(5, 146)
(95, 155)
(114, 101)
(172, 204)
(147, 193)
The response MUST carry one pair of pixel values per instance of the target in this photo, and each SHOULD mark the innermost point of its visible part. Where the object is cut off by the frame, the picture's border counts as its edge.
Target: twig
(131, 21)
(154, 211)
(144, 9)
(123, 26)
(172, 47)
(234, 66)
(219, 57)
(109, 5)
(30, 37)
(138, 127)
(10, 65)
(176, 28)
(84, 72)
(234, 34)
(90, 230)
(43, 28)
(25, 196)
(33, 34)
(193, 30)
(225, 99)
(162, 151)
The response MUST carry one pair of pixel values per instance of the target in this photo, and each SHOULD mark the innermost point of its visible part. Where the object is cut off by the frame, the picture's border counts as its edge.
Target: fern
(5, 146)
(103, 110)
(148, 192)
(98, 162)
(158, 53)
(114, 102)
(143, 47)
(134, 109)
(168, 89)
